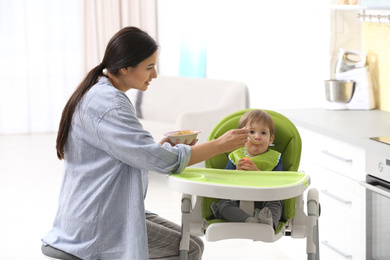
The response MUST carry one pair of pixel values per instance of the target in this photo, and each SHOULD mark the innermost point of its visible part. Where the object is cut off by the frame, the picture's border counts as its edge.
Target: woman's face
(261, 133)
(139, 77)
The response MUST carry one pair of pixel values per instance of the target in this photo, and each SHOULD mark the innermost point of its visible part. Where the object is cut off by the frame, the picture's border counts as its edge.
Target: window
(40, 62)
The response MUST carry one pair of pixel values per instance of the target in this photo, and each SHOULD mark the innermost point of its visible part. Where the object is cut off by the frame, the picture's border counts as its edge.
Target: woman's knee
(196, 248)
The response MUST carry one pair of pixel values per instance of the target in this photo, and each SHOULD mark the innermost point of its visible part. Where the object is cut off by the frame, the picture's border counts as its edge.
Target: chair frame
(302, 226)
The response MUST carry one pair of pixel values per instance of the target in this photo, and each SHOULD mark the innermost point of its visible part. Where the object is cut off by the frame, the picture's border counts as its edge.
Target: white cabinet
(335, 169)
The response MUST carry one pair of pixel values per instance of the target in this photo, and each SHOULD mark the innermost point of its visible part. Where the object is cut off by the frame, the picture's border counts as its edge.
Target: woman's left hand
(192, 143)
(167, 140)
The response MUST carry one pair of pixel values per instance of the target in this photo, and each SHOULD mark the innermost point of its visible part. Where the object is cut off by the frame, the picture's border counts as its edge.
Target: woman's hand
(233, 140)
(193, 142)
(227, 142)
(167, 140)
(246, 164)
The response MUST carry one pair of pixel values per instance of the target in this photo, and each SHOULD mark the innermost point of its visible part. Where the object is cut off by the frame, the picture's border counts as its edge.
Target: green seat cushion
(287, 141)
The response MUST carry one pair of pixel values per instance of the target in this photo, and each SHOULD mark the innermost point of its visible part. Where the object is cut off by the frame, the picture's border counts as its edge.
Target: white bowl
(182, 136)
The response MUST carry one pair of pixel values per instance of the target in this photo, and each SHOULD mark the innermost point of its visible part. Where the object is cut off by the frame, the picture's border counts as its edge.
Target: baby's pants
(164, 239)
(230, 210)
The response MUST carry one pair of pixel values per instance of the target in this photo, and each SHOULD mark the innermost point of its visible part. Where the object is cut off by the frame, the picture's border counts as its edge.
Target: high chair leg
(313, 211)
(192, 222)
(316, 255)
(185, 226)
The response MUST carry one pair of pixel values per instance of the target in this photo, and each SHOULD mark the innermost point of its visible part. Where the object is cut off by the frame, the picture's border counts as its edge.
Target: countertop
(351, 126)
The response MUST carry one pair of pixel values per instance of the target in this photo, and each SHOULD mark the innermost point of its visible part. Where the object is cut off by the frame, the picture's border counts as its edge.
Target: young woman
(107, 154)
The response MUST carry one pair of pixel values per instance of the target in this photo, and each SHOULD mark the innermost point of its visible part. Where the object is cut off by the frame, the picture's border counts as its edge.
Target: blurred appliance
(377, 186)
(352, 66)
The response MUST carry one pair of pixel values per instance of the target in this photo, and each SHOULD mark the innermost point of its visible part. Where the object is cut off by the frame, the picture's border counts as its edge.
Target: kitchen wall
(351, 33)
(376, 43)
(345, 33)
(279, 49)
(282, 50)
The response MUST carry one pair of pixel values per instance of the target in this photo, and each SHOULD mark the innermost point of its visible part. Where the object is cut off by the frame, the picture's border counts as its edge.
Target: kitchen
(347, 151)
(346, 131)
(336, 143)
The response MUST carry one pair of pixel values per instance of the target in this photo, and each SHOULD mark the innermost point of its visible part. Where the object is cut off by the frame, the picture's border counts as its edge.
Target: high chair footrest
(230, 230)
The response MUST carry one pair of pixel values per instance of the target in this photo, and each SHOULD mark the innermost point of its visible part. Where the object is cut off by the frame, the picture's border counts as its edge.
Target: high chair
(203, 186)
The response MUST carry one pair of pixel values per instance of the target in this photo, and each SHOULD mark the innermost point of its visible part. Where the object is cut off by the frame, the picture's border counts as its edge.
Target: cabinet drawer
(340, 231)
(342, 220)
(342, 193)
(333, 154)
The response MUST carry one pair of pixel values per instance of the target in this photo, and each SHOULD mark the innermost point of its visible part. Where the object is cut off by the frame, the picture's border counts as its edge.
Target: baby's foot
(252, 220)
(265, 216)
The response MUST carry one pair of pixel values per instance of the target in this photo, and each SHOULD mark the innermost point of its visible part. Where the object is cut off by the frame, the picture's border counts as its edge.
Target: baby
(254, 156)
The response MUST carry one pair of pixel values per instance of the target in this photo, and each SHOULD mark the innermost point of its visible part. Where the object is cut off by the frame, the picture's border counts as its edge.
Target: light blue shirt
(101, 211)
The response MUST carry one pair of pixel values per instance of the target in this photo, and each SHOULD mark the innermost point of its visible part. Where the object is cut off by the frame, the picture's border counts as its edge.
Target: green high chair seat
(287, 141)
(203, 186)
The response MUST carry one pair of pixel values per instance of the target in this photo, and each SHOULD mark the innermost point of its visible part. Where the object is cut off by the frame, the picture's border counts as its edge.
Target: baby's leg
(275, 207)
(230, 211)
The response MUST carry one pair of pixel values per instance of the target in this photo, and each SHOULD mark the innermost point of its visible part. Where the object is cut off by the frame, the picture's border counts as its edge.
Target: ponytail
(70, 107)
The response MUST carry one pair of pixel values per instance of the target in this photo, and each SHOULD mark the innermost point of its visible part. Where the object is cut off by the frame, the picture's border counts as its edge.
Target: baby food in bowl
(182, 136)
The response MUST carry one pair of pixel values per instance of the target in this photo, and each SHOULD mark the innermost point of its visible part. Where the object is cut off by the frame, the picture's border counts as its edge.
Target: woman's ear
(125, 71)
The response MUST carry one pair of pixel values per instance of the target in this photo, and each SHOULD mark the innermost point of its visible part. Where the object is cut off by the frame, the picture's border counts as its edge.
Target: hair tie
(102, 66)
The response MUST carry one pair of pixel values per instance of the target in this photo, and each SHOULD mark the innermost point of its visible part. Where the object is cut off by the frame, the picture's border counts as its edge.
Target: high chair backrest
(287, 141)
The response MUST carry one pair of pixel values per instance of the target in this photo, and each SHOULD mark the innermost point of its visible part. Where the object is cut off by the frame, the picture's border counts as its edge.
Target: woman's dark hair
(127, 48)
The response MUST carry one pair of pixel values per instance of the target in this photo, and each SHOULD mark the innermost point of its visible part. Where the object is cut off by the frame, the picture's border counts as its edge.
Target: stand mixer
(352, 65)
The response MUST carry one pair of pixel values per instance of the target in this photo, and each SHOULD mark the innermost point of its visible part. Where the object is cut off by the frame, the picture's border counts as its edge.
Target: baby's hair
(255, 116)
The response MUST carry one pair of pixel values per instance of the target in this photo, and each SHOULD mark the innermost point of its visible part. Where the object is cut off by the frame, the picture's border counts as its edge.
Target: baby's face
(261, 133)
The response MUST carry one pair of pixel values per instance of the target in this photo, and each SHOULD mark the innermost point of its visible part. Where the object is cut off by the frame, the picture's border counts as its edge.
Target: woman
(107, 155)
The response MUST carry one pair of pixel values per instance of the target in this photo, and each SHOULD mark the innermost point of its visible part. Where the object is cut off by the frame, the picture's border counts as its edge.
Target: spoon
(253, 140)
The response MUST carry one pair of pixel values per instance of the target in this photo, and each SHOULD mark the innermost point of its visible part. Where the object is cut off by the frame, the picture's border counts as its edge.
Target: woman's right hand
(227, 142)
(232, 140)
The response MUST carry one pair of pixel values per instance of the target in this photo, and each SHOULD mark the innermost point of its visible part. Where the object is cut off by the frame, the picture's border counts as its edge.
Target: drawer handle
(338, 251)
(336, 156)
(326, 192)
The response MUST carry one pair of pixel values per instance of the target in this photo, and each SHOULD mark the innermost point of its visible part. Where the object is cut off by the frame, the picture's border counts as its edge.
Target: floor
(30, 177)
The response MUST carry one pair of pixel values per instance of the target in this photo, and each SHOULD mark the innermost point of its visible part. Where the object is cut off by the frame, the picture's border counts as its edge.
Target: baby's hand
(246, 164)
